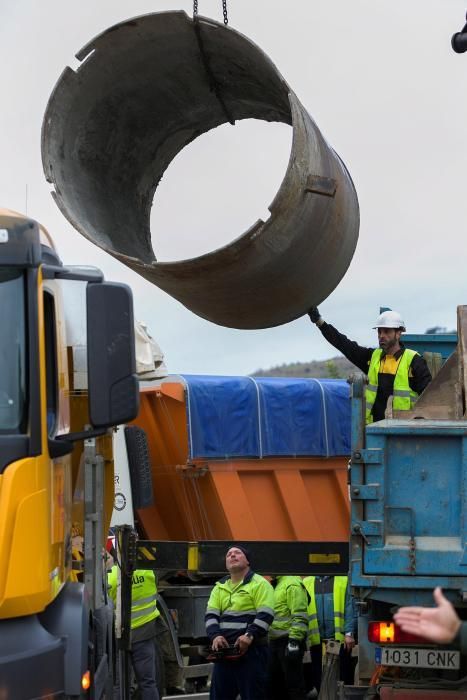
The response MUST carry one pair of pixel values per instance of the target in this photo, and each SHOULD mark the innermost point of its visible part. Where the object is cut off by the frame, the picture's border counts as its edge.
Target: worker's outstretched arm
(359, 355)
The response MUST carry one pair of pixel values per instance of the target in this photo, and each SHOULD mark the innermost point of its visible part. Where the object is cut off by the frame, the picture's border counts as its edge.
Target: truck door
(57, 421)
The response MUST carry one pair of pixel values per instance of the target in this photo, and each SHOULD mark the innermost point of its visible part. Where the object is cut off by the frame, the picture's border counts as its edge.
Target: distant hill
(335, 368)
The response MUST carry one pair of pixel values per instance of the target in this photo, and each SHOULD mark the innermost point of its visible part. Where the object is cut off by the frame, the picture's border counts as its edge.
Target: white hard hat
(390, 319)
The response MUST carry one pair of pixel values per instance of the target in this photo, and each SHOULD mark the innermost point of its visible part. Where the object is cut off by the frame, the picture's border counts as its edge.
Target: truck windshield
(13, 405)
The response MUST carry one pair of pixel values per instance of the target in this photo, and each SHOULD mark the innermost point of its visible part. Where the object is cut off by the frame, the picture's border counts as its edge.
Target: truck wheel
(140, 466)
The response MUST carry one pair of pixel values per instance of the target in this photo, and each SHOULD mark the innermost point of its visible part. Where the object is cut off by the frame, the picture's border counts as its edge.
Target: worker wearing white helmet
(390, 319)
(392, 369)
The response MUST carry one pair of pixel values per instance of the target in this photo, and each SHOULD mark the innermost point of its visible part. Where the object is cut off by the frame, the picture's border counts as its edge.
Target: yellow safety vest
(143, 596)
(404, 397)
(339, 589)
(290, 609)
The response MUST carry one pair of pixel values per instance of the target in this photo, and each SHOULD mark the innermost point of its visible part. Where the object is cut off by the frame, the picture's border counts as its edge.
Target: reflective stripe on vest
(404, 397)
(338, 596)
(143, 598)
(144, 607)
(143, 595)
(340, 586)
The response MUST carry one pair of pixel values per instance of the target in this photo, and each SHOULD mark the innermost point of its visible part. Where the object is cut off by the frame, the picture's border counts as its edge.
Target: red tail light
(390, 633)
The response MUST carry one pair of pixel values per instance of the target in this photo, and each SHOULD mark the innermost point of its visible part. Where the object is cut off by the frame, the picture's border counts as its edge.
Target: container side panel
(328, 498)
(235, 504)
(164, 420)
(274, 498)
(415, 524)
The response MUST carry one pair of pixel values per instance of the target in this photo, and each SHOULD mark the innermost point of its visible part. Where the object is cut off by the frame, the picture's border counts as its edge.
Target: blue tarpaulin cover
(266, 417)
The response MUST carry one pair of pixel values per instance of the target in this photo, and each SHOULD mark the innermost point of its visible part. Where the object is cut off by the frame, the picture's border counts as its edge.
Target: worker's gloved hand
(293, 648)
(314, 314)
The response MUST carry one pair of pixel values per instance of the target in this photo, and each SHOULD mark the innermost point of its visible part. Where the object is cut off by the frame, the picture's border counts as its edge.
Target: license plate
(421, 658)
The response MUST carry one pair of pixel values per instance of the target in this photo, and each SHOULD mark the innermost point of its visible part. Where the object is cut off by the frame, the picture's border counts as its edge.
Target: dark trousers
(143, 659)
(313, 670)
(285, 673)
(172, 673)
(245, 676)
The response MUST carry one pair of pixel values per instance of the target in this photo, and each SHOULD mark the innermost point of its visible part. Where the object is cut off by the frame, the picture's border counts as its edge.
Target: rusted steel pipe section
(146, 88)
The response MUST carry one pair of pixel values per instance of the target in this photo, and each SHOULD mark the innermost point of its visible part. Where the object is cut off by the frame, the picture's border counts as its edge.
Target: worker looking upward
(392, 369)
(239, 612)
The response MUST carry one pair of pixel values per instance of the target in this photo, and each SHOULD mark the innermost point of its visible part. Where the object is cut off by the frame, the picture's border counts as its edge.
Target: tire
(139, 463)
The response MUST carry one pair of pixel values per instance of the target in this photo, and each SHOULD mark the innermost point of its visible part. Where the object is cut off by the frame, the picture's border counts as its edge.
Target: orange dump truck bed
(247, 459)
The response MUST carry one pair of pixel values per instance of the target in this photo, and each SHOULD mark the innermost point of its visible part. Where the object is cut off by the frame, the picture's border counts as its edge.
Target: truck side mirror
(112, 383)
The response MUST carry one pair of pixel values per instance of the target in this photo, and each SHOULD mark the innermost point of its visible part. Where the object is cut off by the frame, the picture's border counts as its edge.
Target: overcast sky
(384, 86)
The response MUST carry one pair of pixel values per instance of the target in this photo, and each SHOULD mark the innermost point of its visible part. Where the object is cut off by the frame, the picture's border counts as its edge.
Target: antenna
(26, 200)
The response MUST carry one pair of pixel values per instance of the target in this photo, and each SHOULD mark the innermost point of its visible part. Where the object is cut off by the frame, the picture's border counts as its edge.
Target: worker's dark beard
(388, 346)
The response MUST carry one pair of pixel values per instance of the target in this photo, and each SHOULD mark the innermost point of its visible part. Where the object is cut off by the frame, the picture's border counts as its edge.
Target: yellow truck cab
(59, 396)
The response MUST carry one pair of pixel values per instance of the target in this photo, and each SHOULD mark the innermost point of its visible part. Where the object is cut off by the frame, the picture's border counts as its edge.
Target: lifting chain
(214, 86)
(224, 10)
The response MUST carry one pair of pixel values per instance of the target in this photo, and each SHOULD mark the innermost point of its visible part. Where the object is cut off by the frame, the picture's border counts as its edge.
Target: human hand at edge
(439, 624)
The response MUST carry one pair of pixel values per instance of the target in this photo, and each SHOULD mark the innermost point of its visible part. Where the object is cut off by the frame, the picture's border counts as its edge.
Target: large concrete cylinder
(144, 90)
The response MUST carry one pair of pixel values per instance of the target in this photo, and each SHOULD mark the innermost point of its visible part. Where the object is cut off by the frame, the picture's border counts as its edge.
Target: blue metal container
(409, 507)
(444, 343)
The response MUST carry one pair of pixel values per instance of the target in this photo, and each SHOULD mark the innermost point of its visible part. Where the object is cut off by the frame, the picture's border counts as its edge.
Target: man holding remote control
(239, 612)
